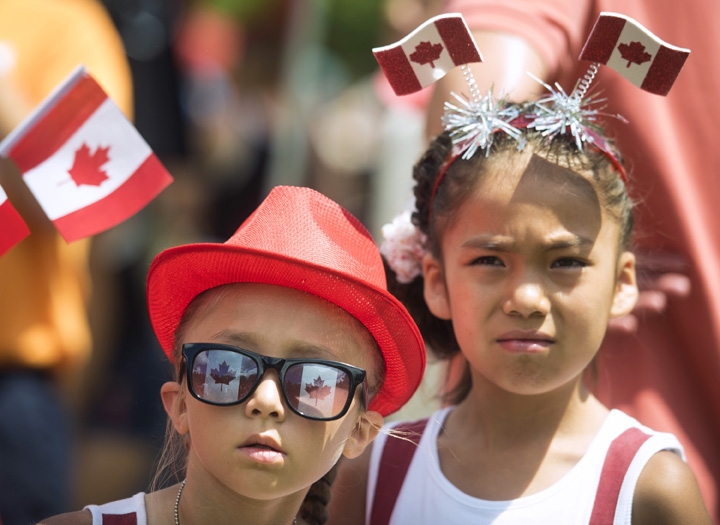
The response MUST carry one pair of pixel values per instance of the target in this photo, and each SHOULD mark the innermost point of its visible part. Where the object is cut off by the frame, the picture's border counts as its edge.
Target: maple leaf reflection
(426, 53)
(634, 53)
(317, 390)
(223, 374)
(86, 167)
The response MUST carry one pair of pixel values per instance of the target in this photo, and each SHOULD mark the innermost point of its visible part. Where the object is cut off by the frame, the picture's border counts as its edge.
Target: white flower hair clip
(403, 247)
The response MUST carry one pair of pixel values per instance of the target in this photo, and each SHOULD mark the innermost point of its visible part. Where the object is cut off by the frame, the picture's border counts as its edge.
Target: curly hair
(435, 213)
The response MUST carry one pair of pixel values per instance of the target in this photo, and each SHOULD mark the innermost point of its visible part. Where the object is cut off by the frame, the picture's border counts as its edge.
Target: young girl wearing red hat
(288, 351)
(521, 257)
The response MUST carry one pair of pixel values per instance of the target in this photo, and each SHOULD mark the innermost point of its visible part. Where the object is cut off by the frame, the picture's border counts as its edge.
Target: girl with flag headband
(660, 363)
(522, 256)
(288, 352)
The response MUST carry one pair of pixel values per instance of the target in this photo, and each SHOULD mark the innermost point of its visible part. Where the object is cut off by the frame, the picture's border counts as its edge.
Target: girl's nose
(527, 299)
(267, 399)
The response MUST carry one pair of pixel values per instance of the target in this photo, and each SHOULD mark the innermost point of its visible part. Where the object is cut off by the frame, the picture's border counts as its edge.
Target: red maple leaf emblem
(634, 53)
(318, 390)
(86, 167)
(426, 53)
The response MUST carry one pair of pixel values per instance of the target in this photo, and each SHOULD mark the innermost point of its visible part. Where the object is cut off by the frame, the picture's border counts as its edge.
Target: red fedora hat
(297, 238)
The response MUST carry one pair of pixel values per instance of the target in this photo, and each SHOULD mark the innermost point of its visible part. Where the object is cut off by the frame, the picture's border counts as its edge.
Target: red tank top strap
(120, 519)
(619, 456)
(394, 464)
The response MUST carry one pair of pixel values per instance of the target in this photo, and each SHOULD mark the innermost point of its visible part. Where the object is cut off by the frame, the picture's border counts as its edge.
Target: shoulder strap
(394, 464)
(119, 519)
(619, 456)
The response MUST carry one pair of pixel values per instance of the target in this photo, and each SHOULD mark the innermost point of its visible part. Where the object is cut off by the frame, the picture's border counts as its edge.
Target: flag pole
(41, 110)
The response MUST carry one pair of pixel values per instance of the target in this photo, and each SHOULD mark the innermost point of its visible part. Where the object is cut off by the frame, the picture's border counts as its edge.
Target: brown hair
(458, 182)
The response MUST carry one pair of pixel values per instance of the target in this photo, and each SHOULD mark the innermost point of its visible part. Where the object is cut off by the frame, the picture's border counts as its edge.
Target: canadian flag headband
(443, 42)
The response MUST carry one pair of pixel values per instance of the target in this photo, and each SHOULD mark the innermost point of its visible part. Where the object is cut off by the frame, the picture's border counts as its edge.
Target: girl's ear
(174, 403)
(626, 290)
(367, 427)
(435, 291)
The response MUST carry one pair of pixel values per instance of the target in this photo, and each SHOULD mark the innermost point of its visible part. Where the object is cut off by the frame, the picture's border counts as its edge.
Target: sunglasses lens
(223, 376)
(317, 390)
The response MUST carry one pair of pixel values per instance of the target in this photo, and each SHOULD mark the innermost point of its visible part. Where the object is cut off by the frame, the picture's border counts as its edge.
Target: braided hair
(437, 207)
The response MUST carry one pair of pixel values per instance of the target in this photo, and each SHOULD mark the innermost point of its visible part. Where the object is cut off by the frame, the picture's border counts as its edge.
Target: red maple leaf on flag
(86, 167)
(426, 53)
(318, 390)
(634, 53)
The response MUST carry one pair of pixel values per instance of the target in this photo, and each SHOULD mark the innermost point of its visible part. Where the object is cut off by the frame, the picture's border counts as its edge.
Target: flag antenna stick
(472, 84)
(583, 84)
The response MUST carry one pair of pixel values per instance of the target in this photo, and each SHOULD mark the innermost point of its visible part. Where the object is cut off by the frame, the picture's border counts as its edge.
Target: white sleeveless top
(427, 497)
(135, 504)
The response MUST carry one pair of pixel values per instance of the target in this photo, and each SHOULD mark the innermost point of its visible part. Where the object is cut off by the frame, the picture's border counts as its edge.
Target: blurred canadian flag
(627, 47)
(12, 228)
(83, 160)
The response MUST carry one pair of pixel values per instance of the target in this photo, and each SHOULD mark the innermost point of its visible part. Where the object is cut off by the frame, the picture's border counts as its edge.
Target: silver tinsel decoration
(559, 112)
(474, 120)
(472, 123)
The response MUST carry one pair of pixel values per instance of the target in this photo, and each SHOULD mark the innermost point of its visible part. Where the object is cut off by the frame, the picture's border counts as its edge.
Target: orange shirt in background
(44, 282)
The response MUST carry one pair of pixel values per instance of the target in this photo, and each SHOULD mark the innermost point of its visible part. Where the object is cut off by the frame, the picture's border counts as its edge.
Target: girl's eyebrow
(499, 244)
(315, 351)
(233, 337)
(303, 348)
(493, 243)
(574, 241)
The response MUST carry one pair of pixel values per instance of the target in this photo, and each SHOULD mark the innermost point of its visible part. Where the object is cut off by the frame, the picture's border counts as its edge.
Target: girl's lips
(525, 343)
(262, 449)
(262, 454)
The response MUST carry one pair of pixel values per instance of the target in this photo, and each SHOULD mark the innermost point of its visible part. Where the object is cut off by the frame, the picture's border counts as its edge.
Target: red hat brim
(178, 275)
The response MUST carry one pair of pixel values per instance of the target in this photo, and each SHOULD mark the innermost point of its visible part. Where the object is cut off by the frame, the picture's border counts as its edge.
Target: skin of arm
(667, 493)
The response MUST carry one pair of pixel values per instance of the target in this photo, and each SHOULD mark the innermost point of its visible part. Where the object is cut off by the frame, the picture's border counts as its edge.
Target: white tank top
(427, 497)
(125, 508)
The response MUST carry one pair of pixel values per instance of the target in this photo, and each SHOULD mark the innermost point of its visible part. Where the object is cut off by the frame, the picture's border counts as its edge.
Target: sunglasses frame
(357, 375)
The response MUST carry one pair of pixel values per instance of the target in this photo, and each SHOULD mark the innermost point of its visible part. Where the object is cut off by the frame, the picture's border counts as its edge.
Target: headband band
(528, 121)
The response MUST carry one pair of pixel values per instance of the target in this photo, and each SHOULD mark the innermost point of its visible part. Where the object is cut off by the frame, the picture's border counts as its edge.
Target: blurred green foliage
(352, 27)
(352, 30)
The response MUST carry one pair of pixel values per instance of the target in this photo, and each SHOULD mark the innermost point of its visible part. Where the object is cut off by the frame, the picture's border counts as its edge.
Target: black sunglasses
(313, 388)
